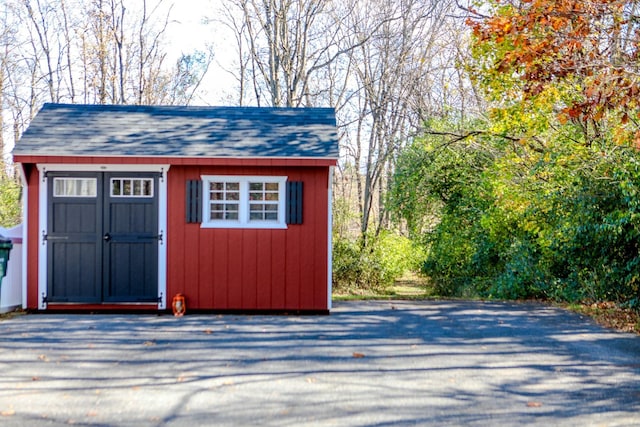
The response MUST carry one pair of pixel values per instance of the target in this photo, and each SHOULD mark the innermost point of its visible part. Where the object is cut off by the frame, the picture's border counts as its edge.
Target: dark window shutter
(294, 202)
(194, 201)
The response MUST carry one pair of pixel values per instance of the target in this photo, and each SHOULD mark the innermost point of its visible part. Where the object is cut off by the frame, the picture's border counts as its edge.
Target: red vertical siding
(264, 269)
(206, 271)
(33, 180)
(278, 268)
(247, 269)
(220, 278)
(234, 269)
(228, 269)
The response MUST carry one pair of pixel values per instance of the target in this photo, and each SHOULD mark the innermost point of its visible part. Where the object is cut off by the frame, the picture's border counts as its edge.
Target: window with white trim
(244, 201)
(74, 187)
(131, 187)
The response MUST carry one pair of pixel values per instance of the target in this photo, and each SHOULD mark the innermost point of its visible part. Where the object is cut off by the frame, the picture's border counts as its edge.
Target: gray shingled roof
(127, 130)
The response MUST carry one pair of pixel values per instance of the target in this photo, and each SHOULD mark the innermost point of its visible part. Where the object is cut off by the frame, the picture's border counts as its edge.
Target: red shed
(127, 206)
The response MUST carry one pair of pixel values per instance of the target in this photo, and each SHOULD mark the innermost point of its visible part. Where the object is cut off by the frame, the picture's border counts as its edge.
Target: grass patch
(408, 287)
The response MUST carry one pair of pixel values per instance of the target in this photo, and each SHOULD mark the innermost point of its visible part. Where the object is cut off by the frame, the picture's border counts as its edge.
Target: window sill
(239, 225)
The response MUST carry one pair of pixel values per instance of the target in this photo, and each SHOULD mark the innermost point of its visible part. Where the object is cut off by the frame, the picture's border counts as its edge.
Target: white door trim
(162, 219)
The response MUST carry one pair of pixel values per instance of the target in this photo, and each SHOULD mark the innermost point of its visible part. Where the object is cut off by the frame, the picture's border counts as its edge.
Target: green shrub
(10, 206)
(374, 265)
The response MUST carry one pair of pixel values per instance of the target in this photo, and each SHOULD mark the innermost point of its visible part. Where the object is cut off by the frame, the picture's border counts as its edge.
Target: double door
(102, 237)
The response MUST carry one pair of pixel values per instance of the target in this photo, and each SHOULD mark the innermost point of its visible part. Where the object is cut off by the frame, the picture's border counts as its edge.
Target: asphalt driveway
(367, 364)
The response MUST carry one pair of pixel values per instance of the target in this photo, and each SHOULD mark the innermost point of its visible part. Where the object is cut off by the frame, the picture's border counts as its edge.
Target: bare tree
(393, 71)
(284, 45)
(97, 51)
(386, 66)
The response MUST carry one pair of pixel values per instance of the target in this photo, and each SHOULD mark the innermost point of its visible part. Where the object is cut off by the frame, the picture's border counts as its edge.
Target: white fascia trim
(77, 167)
(330, 239)
(43, 168)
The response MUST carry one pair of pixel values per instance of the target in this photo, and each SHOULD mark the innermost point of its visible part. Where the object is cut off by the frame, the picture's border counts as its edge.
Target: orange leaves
(552, 43)
(557, 23)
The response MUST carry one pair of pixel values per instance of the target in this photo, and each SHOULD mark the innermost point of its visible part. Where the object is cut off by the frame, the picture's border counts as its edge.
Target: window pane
(126, 187)
(231, 212)
(271, 216)
(271, 186)
(116, 188)
(271, 196)
(137, 187)
(148, 188)
(58, 187)
(256, 186)
(74, 187)
(256, 196)
(224, 197)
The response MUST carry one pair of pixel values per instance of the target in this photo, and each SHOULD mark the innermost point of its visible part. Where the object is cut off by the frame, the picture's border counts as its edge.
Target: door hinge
(46, 237)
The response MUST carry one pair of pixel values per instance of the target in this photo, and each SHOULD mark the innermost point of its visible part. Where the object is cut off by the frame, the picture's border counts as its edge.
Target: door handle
(106, 237)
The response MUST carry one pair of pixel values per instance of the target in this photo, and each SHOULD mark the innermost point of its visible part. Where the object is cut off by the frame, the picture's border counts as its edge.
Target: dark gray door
(102, 237)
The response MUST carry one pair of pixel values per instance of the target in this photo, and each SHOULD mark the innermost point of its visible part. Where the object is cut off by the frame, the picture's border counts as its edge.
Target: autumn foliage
(591, 45)
(539, 195)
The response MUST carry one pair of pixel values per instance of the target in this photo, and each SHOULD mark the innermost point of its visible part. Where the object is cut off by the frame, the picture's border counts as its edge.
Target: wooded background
(490, 145)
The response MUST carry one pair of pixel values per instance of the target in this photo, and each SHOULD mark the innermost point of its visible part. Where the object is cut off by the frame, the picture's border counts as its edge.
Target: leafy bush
(565, 225)
(374, 265)
(10, 207)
